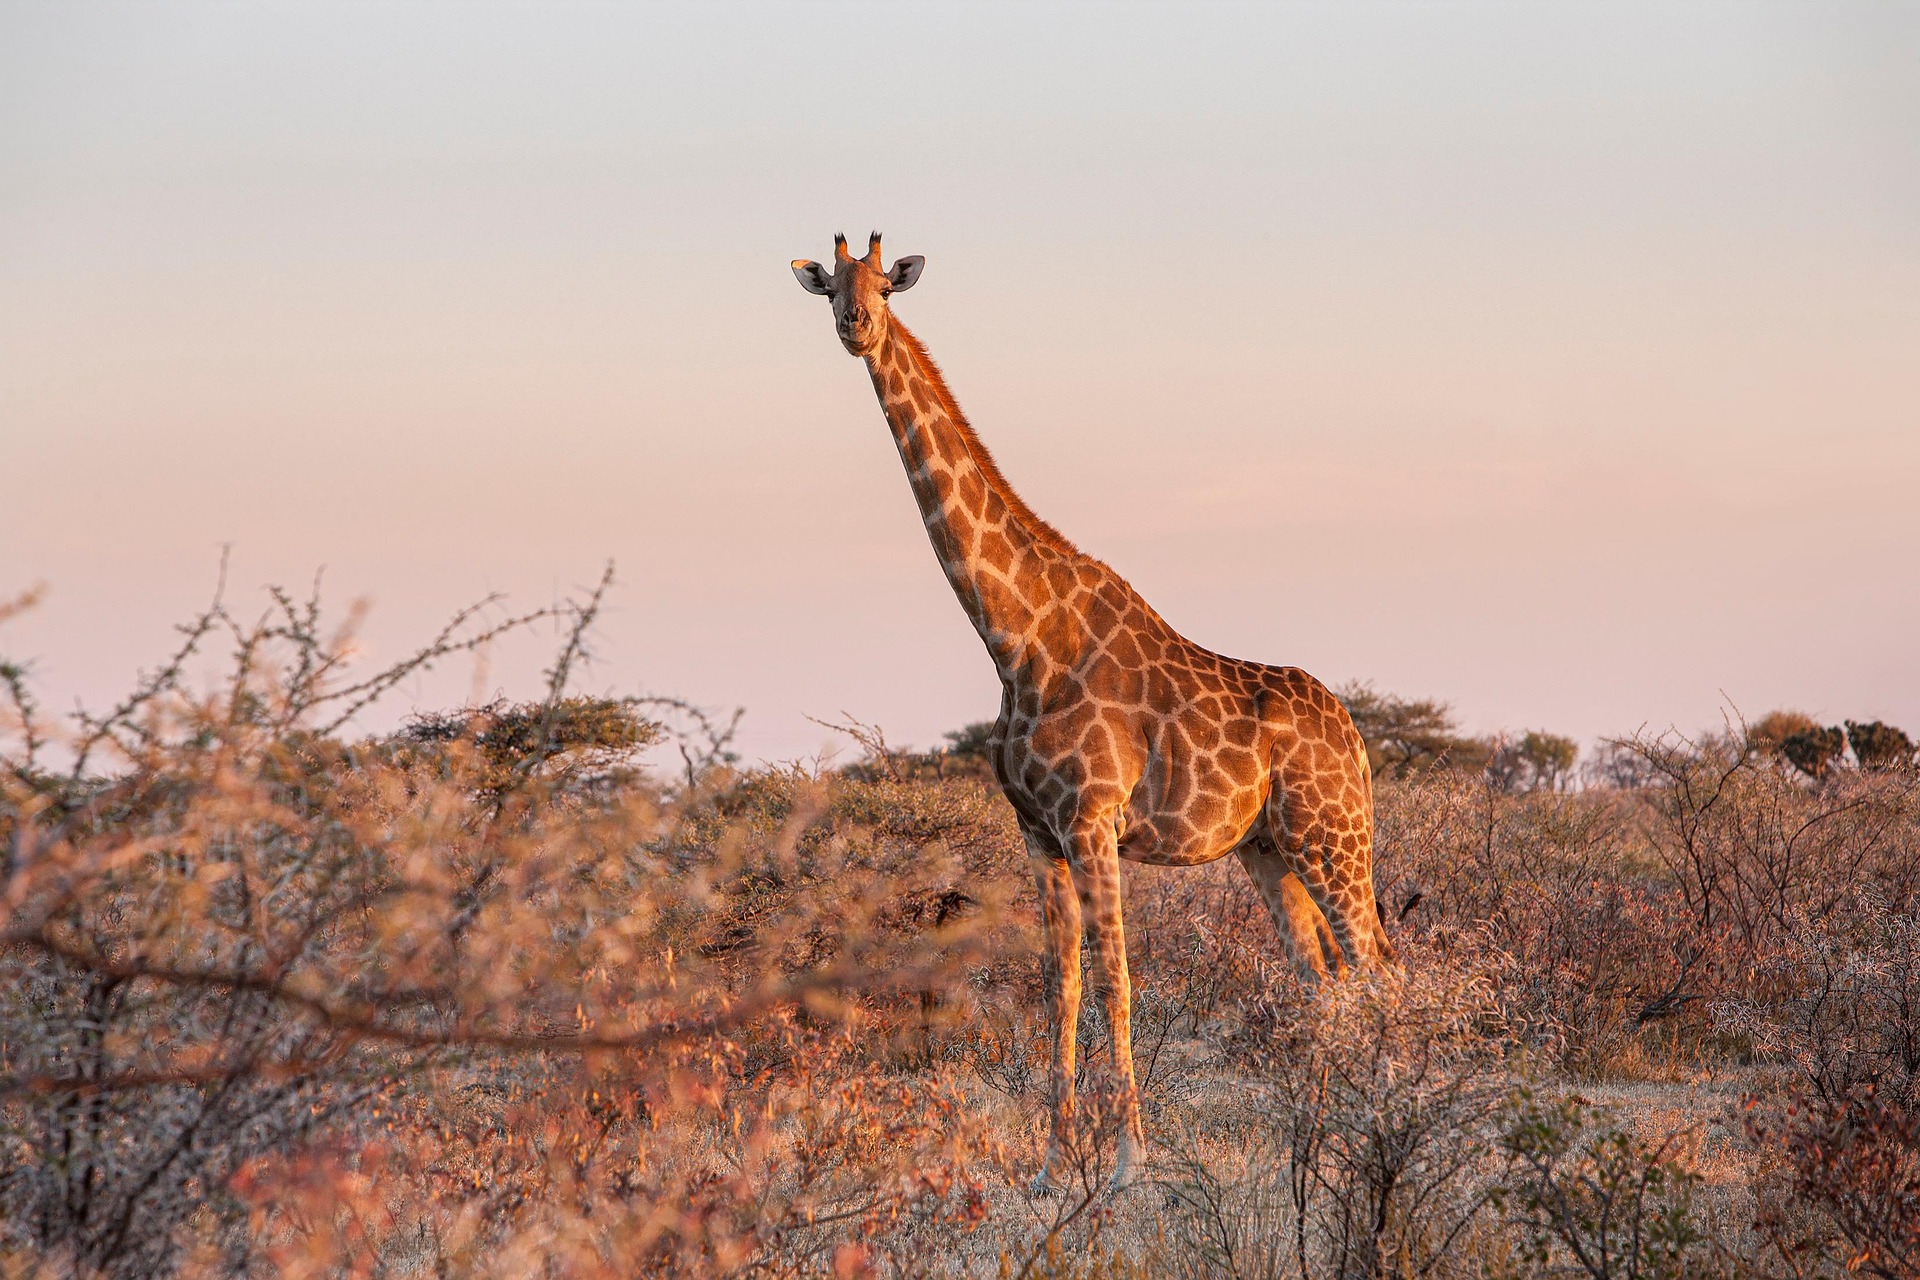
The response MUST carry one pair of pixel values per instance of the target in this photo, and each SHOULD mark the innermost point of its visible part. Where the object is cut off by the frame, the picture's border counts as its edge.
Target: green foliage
(1408, 735)
(1590, 1197)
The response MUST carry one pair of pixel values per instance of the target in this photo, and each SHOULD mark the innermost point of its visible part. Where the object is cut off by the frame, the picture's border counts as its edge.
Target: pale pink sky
(1563, 362)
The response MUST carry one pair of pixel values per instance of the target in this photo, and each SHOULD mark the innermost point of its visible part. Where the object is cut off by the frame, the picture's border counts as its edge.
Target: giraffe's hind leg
(1323, 827)
(1303, 927)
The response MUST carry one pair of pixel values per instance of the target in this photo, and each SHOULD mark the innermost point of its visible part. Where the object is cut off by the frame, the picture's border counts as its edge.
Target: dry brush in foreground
(483, 997)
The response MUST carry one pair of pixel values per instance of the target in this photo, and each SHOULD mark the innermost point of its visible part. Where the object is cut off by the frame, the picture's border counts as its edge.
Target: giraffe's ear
(812, 276)
(905, 272)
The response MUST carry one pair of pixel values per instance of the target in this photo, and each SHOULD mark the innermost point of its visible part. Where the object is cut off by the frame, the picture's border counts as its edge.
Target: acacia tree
(1814, 751)
(1877, 746)
(1407, 734)
(1549, 758)
(1770, 731)
(1537, 761)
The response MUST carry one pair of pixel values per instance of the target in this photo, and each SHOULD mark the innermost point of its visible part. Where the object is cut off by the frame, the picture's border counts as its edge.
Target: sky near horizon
(1562, 362)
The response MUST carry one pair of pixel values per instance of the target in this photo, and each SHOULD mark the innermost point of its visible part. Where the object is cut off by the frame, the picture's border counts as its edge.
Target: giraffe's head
(858, 289)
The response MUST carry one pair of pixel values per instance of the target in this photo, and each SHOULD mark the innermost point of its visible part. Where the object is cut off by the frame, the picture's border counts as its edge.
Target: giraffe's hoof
(1043, 1186)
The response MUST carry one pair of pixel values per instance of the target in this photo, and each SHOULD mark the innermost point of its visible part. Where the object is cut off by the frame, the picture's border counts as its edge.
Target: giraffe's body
(1118, 737)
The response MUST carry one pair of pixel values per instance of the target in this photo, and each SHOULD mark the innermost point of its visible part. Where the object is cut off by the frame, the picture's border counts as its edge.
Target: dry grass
(484, 998)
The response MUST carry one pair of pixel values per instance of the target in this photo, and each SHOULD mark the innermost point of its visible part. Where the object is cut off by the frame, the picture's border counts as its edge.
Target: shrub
(1598, 1202)
(1551, 893)
(1748, 853)
(581, 743)
(969, 749)
(1854, 1162)
(1838, 1000)
(274, 999)
(1617, 917)
(1368, 1153)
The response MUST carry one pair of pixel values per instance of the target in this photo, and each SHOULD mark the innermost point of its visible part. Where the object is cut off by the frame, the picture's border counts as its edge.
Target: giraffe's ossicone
(1118, 737)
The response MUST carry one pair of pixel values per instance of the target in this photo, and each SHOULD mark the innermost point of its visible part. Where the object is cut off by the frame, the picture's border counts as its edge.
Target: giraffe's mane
(1039, 529)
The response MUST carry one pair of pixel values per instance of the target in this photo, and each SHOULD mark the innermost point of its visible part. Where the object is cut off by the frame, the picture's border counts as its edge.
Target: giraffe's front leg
(1096, 874)
(1060, 967)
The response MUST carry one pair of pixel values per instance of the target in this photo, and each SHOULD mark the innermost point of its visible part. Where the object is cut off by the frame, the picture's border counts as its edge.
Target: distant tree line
(1410, 735)
(1405, 736)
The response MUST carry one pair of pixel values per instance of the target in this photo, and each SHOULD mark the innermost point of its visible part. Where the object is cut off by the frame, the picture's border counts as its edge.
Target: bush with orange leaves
(1624, 916)
(278, 1001)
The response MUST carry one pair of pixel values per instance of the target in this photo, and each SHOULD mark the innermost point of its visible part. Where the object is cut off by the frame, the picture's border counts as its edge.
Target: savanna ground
(484, 997)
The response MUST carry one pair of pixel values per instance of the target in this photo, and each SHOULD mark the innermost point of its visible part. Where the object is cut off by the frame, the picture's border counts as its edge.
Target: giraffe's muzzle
(859, 329)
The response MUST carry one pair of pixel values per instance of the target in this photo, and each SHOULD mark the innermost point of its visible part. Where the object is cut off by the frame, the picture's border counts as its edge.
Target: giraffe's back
(1120, 713)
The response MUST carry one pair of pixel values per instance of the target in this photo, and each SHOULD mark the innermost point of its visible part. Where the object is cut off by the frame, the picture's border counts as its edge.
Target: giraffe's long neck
(994, 549)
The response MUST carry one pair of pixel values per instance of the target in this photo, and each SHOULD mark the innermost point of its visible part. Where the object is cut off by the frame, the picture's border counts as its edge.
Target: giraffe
(1118, 738)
